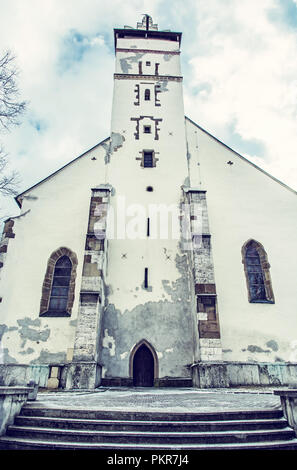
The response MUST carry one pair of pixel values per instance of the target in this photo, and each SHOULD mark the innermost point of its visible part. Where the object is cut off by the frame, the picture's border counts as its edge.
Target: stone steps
(158, 426)
(41, 428)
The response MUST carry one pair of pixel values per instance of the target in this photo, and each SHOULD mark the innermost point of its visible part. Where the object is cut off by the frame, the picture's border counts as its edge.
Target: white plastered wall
(245, 203)
(55, 215)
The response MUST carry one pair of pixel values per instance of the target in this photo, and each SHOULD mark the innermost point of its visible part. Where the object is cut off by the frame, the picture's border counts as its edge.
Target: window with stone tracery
(59, 284)
(257, 271)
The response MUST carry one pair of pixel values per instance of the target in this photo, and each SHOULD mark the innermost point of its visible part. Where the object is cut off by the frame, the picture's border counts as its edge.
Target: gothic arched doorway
(143, 365)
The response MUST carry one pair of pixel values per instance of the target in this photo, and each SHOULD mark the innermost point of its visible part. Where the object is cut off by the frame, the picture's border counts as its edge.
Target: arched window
(147, 95)
(59, 284)
(257, 273)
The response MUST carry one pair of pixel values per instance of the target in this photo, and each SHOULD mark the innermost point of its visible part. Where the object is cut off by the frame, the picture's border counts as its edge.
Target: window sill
(262, 301)
(55, 313)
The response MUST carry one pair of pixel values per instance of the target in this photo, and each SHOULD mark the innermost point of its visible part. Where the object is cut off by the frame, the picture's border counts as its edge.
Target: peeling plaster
(126, 63)
(162, 85)
(5, 328)
(46, 357)
(167, 57)
(272, 345)
(116, 141)
(152, 320)
(6, 358)
(256, 349)
(28, 351)
(109, 343)
(28, 333)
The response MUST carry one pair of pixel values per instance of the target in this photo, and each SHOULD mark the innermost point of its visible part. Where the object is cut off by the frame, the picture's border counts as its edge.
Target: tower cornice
(146, 34)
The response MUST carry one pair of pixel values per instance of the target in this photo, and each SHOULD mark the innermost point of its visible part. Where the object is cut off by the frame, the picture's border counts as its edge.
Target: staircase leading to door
(45, 428)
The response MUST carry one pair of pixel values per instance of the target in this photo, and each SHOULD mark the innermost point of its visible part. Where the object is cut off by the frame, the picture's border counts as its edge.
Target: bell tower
(150, 296)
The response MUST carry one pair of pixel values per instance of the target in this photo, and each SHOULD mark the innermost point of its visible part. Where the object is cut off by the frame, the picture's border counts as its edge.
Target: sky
(238, 62)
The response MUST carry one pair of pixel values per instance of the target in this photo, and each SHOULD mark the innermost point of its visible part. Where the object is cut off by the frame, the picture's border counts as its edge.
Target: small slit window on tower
(148, 159)
(146, 278)
(147, 95)
(148, 228)
(147, 63)
(147, 129)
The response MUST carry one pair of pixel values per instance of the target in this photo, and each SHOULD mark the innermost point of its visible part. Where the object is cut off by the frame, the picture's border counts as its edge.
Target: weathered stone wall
(84, 371)
(236, 374)
(204, 277)
(244, 203)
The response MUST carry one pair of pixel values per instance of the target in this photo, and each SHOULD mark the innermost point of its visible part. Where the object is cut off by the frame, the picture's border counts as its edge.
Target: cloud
(246, 77)
(239, 66)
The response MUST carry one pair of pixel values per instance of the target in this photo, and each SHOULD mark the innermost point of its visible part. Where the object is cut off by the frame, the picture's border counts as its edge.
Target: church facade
(160, 257)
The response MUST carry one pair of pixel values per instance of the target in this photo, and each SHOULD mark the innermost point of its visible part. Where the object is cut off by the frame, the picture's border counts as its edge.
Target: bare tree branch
(9, 180)
(10, 108)
(10, 111)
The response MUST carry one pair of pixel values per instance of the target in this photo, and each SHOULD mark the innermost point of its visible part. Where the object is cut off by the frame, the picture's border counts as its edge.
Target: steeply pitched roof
(57, 171)
(240, 156)
(105, 140)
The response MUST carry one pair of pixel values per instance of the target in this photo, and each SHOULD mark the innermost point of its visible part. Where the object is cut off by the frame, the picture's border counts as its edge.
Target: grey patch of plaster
(28, 351)
(73, 322)
(126, 63)
(256, 349)
(186, 182)
(6, 358)
(46, 357)
(148, 288)
(179, 289)
(30, 198)
(278, 359)
(162, 85)
(28, 333)
(167, 57)
(21, 215)
(226, 350)
(152, 321)
(5, 328)
(116, 141)
(272, 345)
(107, 155)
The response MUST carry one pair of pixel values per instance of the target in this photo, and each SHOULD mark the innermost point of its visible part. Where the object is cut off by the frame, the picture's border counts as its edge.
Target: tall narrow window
(147, 95)
(146, 278)
(140, 68)
(257, 273)
(60, 285)
(148, 228)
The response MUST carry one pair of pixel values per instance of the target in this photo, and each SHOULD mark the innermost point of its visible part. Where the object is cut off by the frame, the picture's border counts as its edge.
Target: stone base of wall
(11, 401)
(82, 375)
(236, 374)
(289, 405)
(22, 374)
(162, 382)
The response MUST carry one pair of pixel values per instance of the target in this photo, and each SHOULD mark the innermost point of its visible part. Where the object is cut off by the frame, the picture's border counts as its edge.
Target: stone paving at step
(165, 400)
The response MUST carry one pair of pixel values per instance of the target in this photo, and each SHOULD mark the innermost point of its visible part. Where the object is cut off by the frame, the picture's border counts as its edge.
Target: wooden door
(143, 367)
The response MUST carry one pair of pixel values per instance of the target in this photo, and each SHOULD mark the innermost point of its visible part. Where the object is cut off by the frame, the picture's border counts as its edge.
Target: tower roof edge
(147, 34)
